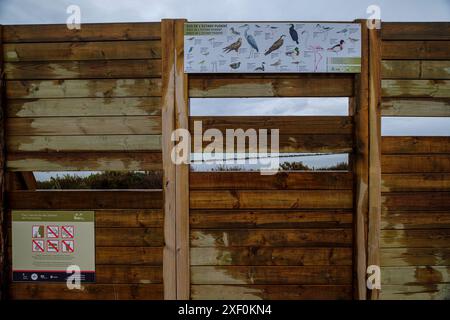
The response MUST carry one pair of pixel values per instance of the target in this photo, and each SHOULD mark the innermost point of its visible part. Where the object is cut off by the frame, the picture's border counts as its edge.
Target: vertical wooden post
(373, 254)
(182, 170)
(3, 227)
(168, 125)
(361, 167)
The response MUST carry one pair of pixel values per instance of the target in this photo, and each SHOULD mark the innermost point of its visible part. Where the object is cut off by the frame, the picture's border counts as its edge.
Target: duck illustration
(293, 53)
(236, 33)
(293, 33)
(338, 47)
(234, 46)
(261, 68)
(235, 65)
(276, 45)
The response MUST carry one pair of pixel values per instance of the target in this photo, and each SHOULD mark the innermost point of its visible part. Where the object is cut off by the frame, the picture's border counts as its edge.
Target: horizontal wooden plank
(101, 199)
(415, 220)
(127, 274)
(280, 181)
(415, 69)
(416, 200)
(287, 125)
(84, 107)
(129, 237)
(86, 161)
(413, 145)
(31, 291)
(416, 88)
(83, 69)
(286, 199)
(84, 143)
(216, 219)
(104, 88)
(415, 292)
(129, 218)
(415, 31)
(60, 51)
(152, 256)
(271, 86)
(427, 238)
(415, 163)
(267, 256)
(415, 275)
(416, 50)
(391, 257)
(271, 275)
(272, 238)
(415, 182)
(73, 126)
(271, 292)
(415, 107)
(89, 32)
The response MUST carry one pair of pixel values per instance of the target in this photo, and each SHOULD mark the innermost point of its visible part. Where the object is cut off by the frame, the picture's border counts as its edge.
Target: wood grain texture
(104, 88)
(415, 145)
(415, 69)
(129, 218)
(400, 220)
(416, 88)
(152, 256)
(416, 182)
(271, 86)
(86, 161)
(272, 238)
(416, 200)
(415, 163)
(415, 31)
(135, 199)
(89, 32)
(60, 51)
(391, 257)
(415, 107)
(416, 292)
(430, 50)
(128, 274)
(83, 69)
(271, 292)
(129, 237)
(281, 181)
(416, 275)
(84, 107)
(3, 235)
(268, 256)
(257, 199)
(433, 238)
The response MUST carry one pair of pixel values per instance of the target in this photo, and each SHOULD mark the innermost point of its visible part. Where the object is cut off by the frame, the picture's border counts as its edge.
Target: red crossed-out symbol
(51, 233)
(67, 231)
(51, 244)
(68, 245)
(38, 246)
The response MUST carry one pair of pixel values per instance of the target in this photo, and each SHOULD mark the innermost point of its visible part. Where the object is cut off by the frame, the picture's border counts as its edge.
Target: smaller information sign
(46, 243)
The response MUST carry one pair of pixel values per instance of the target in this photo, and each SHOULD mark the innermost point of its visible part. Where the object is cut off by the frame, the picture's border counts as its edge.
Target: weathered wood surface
(286, 125)
(84, 143)
(84, 107)
(268, 275)
(257, 199)
(426, 50)
(103, 88)
(413, 145)
(415, 107)
(415, 69)
(150, 218)
(60, 51)
(272, 238)
(216, 219)
(416, 275)
(152, 256)
(3, 236)
(135, 199)
(432, 238)
(416, 292)
(128, 274)
(391, 257)
(416, 200)
(89, 32)
(416, 182)
(415, 163)
(29, 291)
(83, 69)
(271, 292)
(416, 88)
(271, 86)
(129, 237)
(268, 256)
(279, 181)
(415, 219)
(75, 161)
(415, 30)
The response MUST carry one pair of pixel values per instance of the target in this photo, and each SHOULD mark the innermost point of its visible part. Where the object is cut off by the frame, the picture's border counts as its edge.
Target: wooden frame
(3, 234)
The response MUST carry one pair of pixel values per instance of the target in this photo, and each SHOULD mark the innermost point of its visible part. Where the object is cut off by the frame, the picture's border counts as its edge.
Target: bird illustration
(235, 65)
(293, 33)
(202, 62)
(260, 68)
(276, 45)
(236, 33)
(191, 38)
(293, 53)
(345, 30)
(234, 46)
(205, 53)
(257, 25)
(353, 40)
(323, 28)
(277, 63)
(338, 47)
(251, 40)
(190, 49)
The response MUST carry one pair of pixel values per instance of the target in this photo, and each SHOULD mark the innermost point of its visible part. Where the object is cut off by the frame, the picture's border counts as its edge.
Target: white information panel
(272, 47)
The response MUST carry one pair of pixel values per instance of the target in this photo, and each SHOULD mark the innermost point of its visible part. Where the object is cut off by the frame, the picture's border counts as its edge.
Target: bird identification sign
(46, 243)
(261, 47)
